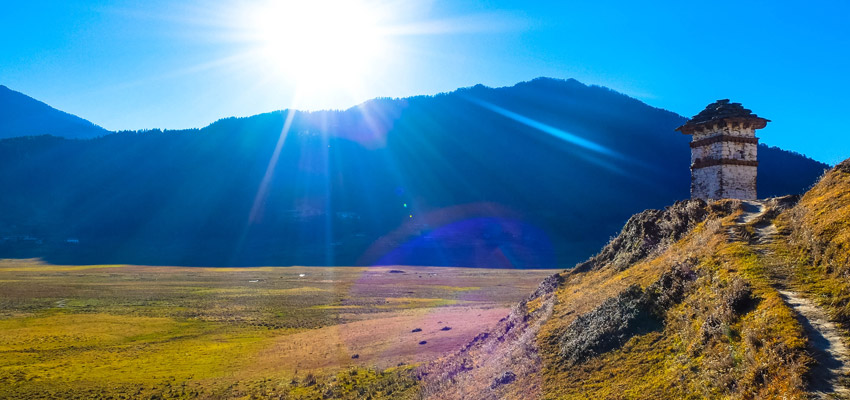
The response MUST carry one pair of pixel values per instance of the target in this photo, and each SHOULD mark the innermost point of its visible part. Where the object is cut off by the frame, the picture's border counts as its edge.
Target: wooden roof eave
(755, 123)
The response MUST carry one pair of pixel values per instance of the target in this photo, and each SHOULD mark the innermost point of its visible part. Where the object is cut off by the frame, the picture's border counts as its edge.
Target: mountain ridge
(538, 174)
(22, 115)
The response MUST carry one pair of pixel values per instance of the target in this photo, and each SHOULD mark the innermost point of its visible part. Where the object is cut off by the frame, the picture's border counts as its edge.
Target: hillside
(540, 174)
(695, 301)
(815, 244)
(21, 115)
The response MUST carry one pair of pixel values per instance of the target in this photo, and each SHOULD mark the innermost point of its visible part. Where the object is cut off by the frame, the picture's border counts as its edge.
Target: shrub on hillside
(632, 312)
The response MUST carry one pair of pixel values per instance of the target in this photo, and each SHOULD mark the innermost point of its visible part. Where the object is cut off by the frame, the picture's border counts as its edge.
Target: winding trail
(826, 346)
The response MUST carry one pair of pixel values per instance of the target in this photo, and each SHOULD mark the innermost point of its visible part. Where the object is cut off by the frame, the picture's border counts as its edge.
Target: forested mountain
(21, 115)
(540, 174)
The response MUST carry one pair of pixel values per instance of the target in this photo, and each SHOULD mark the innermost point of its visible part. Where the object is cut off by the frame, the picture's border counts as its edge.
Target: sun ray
(262, 191)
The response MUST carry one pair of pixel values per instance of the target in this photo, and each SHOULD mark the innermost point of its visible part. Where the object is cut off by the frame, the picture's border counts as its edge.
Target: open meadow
(119, 331)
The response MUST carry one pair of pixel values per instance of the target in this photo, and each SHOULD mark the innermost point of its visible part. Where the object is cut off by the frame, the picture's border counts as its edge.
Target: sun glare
(318, 44)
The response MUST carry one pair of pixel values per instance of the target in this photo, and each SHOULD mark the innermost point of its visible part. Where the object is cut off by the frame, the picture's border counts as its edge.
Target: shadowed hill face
(535, 175)
(21, 115)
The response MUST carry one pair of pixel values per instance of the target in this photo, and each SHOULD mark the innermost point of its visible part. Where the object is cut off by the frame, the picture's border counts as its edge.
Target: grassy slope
(817, 243)
(704, 348)
(730, 335)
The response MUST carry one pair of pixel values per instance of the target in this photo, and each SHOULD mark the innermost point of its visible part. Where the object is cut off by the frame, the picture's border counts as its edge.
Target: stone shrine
(724, 151)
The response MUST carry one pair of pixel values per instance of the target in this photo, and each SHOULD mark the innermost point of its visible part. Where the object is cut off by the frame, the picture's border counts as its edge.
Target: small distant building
(724, 151)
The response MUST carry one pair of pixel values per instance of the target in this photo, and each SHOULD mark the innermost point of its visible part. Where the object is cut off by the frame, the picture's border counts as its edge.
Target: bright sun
(318, 44)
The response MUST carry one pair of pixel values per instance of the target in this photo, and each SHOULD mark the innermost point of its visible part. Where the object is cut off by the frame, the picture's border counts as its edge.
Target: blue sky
(169, 64)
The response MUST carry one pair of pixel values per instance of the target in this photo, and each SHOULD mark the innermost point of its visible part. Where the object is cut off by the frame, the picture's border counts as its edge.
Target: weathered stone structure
(724, 151)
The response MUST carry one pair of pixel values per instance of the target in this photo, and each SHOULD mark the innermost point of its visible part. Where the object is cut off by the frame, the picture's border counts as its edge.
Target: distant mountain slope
(21, 115)
(540, 174)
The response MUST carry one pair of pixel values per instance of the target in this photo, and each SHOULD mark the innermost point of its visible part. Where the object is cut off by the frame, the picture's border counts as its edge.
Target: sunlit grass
(816, 243)
(89, 331)
(7, 265)
(103, 347)
(759, 354)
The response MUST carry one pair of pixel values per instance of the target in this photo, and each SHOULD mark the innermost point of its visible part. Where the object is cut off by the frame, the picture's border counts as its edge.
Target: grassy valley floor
(116, 331)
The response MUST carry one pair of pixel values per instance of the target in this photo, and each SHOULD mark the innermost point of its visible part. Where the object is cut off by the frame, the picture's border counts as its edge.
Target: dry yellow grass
(818, 242)
(759, 354)
(132, 331)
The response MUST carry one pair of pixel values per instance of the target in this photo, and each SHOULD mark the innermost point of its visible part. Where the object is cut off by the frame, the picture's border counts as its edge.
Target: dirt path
(752, 210)
(826, 345)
